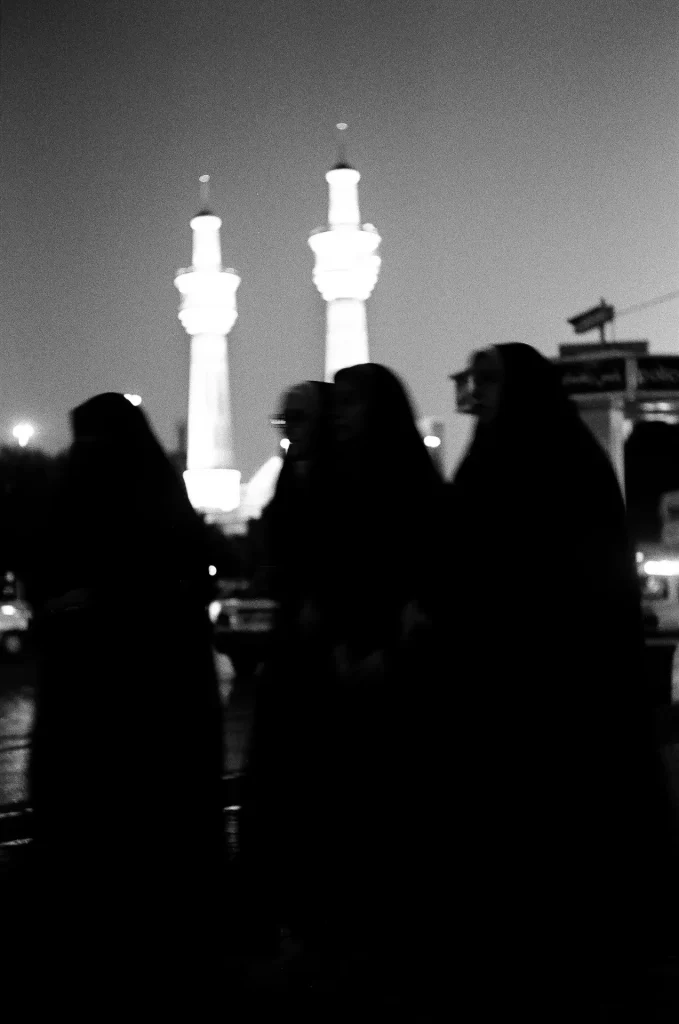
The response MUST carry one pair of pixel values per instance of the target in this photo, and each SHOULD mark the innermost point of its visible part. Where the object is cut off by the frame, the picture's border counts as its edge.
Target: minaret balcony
(355, 282)
(189, 279)
(205, 319)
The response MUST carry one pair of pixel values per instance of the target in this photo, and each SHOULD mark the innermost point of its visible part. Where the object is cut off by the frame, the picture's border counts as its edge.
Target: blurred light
(215, 489)
(213, 610)
(431, 441)
(662, 567)
(640, 557)
(23, 432)
(134, 399)
(213, 570)
(285, 443)
(660, 417)
(8, 609)
(655, 588)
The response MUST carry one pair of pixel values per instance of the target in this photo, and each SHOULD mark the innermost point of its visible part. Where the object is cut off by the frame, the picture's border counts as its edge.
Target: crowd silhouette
(441, 807)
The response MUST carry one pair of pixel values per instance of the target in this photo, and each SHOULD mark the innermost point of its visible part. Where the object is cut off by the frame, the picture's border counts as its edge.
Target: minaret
(208, 312)
(346, 269)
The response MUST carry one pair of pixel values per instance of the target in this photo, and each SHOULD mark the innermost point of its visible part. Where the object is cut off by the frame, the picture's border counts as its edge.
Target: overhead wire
(649, 302)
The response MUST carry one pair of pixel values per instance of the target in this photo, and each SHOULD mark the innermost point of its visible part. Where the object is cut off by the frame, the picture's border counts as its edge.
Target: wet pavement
(17, 685)
(16, 721)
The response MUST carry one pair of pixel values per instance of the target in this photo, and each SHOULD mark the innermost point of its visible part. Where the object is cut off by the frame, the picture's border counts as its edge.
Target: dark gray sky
(520, 160)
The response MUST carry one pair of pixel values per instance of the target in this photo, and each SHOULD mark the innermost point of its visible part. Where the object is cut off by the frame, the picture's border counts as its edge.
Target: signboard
(595, 350)
(592, 318)
(658, 373)
(594, 376)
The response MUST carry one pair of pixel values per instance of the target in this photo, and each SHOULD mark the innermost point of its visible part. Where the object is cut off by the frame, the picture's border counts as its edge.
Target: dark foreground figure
(341, 812)
(129, 874)
(567, 860)
(285, 787)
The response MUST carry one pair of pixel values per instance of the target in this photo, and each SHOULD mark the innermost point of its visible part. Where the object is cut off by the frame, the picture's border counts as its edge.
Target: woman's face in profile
(348, 413)
(301, 413)
(487, 375)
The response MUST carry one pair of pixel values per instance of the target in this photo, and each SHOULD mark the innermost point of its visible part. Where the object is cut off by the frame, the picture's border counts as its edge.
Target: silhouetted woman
(387, 712)
(555, 815)
(127, 752)
(282, 787)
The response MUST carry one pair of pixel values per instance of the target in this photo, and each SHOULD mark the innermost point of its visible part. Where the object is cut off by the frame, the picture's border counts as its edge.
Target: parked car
(243, 627)
(15, 617)
(658, 567)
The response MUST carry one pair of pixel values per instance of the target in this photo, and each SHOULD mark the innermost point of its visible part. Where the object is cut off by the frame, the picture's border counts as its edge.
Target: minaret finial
(204, 190)
(341, 148)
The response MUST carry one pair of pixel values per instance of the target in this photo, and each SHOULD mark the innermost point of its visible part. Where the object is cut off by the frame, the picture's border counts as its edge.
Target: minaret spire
(204, 191)
(341, 145)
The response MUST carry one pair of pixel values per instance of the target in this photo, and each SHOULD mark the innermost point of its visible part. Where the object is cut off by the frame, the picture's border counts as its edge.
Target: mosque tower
(208, 312)
(346, 269)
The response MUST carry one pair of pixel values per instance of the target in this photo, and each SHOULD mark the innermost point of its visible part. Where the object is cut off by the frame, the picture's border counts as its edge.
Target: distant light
(640, 557)
(432, 441)
(204, 178)
(134, 399)
(8, 609)
(342, 126)
(213, 570)
(214, 609)
(23, 432)
(662, 567)
(285, 443)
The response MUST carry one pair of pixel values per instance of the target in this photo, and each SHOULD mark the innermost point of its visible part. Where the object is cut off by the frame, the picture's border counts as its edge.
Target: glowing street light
(285, 443)
(432, 441)
(134, 399)
(23, 432)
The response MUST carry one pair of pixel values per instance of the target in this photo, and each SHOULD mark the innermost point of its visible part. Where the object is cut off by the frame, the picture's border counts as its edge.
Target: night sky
(520, 160)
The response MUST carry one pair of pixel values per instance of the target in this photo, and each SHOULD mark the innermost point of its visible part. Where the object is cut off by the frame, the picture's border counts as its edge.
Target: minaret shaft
(210, 437)
(208, 312)
(346, 340)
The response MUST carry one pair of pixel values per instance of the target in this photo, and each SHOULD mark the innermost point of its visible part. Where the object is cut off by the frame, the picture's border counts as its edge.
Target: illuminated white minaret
(346, 270)
(208, 312)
